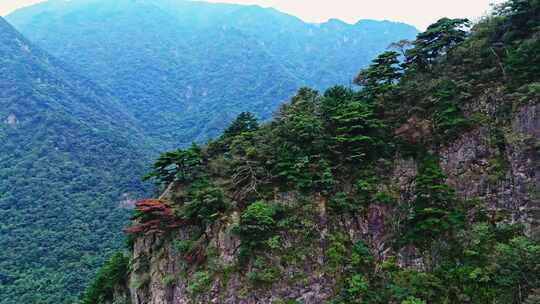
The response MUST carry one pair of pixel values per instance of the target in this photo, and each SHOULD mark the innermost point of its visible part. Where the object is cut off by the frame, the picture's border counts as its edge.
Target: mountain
(185, 69)
(156, 75)
(422, 187)
(70, 154)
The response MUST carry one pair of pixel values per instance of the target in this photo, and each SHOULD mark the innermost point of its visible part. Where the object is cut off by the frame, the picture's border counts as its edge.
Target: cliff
(302, 265)
(422, 187)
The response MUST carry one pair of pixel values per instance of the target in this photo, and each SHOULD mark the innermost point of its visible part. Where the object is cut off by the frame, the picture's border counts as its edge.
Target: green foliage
(486, 269)
(366, 187)
(199, 283)
(337, 148)
(435, 211)
(357, 285)
(263, 272)
(437, 40)
(516, 267)
(111, 277)
(381, 76)
(326, 181)
(385, 198)
(524, 61)
(183, 246)
(337, 252)
(523, 16)
(343, 203)
(178, 166)
(79, 149)
(358, 132)
(363, 193)
(489, 264)
(205, 206)
(413, 300)
(332, 100)
(512, 34)
(361, 257)
(245, 122)
(168, 280)
(448, 118)
(299, 138)
(257, 225)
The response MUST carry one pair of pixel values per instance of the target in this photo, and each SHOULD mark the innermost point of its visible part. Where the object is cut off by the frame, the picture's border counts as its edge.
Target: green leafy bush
(205, 206)
(257, 224)
(263, 272)
(413, 300)
(199, 283)
(168, 280)
(342, 203)
(361, 257)
(337, 252)
(111, 277)
(183, 246)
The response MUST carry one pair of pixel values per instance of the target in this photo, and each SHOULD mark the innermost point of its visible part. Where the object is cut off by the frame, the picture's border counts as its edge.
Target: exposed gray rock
(506, 177)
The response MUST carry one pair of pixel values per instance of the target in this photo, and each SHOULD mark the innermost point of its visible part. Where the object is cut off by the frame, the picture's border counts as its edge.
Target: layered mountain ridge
(186, 68)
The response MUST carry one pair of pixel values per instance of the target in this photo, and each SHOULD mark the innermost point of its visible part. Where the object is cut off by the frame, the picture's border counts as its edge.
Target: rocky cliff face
(504, 174)
(423, 187)
(507, 176)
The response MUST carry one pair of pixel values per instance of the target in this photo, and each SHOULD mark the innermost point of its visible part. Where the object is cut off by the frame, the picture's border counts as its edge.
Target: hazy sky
(420, 13)
(6, 6)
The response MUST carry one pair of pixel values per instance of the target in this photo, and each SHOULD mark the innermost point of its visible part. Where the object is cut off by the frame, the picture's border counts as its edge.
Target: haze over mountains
(124, 80)
(185, 69)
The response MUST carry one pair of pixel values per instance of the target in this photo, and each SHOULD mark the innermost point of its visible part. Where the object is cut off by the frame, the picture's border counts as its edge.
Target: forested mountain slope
(156, 75)
(69, 155)
(423, 187)
(187, 68)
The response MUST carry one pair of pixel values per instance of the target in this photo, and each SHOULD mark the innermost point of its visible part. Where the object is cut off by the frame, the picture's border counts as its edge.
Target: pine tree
(357, 131)
(384, 71)
(245, 122)
(437, 40)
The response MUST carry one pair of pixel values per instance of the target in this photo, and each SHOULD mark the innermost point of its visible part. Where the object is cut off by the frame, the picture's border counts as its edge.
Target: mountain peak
(337, 21)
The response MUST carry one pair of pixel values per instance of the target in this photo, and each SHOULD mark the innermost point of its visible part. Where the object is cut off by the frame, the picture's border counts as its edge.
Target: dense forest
(69, 155)
(268, 210)
(101, 87)
(185, 69)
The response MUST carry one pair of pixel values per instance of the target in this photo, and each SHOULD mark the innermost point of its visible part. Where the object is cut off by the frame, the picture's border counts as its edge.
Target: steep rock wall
(504, 172)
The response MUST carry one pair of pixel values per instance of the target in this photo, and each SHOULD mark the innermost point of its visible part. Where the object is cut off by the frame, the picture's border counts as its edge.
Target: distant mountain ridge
(186, 68)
